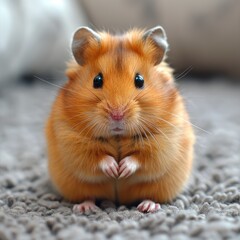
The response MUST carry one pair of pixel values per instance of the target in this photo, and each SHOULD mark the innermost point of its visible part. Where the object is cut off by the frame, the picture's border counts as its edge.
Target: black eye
(139, 81)
(98, 81)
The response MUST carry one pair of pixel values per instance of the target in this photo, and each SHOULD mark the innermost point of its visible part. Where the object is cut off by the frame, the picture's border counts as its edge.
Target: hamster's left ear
(82, 38)
(158, 38)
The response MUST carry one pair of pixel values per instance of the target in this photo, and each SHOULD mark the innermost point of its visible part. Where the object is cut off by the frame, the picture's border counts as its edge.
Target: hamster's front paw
(148, 206)
(127, 167)
(86, 206)
(109, 166)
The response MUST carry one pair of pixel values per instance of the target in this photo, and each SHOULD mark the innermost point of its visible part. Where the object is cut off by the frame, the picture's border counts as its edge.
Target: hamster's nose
(117, 115)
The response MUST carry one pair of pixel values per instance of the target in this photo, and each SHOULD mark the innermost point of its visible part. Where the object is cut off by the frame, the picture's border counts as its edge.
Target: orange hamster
(118, 129)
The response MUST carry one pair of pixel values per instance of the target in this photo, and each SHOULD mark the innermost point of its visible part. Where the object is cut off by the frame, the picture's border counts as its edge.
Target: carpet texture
(208, 209)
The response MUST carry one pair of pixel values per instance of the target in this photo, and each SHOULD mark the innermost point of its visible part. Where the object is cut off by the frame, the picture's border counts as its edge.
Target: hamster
(118, 129)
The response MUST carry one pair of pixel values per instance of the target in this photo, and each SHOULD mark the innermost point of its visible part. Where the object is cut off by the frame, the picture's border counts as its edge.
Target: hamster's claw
(127, 167)
(148, 206)
(86, 206)
(109, 166)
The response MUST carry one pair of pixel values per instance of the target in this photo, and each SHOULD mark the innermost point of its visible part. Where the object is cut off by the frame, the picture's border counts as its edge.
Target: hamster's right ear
(81, 40)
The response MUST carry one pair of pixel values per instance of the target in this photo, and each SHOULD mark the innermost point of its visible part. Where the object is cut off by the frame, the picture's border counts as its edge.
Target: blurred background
(204, 35)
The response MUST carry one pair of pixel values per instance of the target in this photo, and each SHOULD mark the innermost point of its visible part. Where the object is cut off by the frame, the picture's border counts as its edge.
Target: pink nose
(117, 115)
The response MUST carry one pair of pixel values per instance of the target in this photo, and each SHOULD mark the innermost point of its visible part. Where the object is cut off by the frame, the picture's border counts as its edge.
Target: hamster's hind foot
(86, 206)
(148, 206)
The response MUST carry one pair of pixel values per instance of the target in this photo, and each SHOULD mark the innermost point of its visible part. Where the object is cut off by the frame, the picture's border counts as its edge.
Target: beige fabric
(203, 34)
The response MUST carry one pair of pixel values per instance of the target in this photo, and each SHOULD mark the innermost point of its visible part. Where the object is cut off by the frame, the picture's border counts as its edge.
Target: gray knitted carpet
(208, 209)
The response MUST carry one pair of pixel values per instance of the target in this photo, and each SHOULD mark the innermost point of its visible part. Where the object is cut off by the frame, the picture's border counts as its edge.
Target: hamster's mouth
(116, 127)
(117, 130)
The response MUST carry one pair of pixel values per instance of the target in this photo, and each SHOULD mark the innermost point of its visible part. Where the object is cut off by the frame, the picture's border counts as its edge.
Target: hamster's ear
(81, 39)
(158, 38)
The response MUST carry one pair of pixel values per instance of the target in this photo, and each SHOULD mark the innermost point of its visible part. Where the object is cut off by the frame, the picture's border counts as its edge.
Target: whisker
(184, 73)
(69, 90)
(139, 135)
(100, 128)
(94, 94)
(61, 87)
(88, 120)
(175, 115)
(161, 119)
(147, 131)
(146, 91)
(92, 127)
(147, 122)
(145, 134)
(55, 85)
(74, 128)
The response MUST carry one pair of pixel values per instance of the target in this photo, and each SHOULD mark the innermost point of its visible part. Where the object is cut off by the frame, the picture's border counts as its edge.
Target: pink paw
(86, 206)
(109, 166)
(127, 167)
(148, 206)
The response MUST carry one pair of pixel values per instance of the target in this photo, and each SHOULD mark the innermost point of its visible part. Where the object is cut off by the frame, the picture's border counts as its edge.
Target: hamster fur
(117, 141)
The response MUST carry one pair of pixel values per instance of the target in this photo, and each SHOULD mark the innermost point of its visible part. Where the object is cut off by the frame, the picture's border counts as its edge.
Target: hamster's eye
(98, 81)
(139, 81)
